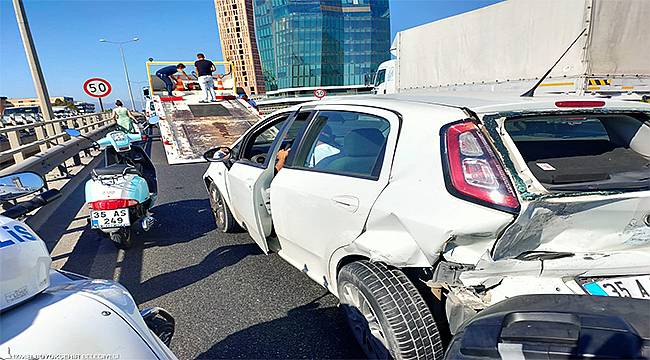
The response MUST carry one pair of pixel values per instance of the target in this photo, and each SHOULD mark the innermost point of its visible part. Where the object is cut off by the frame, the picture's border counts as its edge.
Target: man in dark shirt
(165, 74)
(204, 70)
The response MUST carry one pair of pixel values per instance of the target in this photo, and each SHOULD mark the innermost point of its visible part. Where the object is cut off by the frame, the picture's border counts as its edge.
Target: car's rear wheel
(223, 216)
(387, 315)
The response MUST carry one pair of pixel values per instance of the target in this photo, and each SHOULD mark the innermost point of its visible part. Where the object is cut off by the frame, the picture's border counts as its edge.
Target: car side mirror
(72, 132)
(19, 184)
(218, 154)
(154, 120)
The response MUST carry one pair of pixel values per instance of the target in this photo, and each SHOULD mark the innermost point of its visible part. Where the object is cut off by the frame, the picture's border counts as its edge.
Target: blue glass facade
(321, 42)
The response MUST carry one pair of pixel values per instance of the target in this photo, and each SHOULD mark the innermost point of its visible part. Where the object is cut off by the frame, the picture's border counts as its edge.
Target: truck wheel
(122, 238)
(387, 315)
(223, 217)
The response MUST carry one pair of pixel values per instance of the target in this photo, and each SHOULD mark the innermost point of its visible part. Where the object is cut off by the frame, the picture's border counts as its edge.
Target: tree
(66, 103)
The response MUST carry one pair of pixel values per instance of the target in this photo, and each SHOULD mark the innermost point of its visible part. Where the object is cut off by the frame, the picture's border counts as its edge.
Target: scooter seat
(116, 169)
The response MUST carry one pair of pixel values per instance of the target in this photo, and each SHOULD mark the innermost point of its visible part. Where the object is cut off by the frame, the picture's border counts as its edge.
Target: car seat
(361, 148)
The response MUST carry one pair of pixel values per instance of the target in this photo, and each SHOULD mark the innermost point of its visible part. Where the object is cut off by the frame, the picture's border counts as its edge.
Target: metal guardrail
(50, 141)
(48, 133)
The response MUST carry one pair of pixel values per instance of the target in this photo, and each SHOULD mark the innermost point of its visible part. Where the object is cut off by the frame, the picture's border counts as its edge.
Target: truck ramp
(189, 128)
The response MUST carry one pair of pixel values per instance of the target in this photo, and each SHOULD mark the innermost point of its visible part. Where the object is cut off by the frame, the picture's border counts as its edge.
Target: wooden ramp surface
(190, 130)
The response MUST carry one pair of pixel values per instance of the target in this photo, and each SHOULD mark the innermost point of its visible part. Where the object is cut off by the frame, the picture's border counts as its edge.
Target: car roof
(480, 103)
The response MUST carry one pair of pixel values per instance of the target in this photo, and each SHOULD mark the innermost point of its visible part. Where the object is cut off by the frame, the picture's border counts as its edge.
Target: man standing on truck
(204, 70)
(165, 74)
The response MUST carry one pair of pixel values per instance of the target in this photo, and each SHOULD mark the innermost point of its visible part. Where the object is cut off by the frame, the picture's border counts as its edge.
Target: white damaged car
(418, 212)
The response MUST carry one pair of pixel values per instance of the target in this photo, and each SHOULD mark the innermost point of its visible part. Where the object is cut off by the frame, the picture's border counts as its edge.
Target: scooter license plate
(103, 219)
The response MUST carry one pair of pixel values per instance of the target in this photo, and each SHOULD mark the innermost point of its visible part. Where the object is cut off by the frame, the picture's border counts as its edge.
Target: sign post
(98, 88)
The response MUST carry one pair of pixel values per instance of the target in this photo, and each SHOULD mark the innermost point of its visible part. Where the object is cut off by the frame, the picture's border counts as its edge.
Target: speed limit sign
(320, 93)
(97, 87)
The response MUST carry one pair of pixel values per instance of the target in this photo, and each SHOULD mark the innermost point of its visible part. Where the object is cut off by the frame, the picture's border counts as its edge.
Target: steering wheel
(259, 158)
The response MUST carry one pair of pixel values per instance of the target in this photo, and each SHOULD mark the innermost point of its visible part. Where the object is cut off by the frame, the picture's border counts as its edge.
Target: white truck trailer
(507, 47)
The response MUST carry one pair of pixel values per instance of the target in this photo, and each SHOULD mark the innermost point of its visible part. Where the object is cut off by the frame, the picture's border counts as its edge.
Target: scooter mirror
(19, 184)
(154, 120)
(217, 154)
(72, 132)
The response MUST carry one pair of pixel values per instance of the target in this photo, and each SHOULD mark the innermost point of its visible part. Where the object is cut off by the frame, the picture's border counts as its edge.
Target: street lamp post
(126, 70)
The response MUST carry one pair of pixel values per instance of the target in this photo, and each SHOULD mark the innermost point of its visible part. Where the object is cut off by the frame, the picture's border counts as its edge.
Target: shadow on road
(162, 284)
(182, 221)
(284, 338)
(178, 222)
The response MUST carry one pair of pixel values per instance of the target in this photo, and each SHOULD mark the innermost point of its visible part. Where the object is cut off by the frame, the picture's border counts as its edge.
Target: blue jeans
(169, 85)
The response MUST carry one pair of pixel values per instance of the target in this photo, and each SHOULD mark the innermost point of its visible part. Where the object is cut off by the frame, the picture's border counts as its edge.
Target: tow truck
(189, 128)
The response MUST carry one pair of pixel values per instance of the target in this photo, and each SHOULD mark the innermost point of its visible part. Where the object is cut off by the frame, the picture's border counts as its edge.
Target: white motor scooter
(48, 313)
(121, 193)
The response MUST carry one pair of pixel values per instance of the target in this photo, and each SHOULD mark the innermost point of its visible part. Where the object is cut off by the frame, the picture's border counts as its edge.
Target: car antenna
(531, 92)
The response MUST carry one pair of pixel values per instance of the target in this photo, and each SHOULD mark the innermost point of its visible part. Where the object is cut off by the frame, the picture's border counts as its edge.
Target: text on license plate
(109, 218)
(631, 286)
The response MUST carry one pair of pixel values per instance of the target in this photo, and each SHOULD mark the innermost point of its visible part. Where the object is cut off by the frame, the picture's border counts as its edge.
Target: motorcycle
(121, 193)
(47, 312)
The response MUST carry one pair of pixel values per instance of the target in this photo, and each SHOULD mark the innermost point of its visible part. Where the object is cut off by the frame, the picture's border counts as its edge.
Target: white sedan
(418, 212)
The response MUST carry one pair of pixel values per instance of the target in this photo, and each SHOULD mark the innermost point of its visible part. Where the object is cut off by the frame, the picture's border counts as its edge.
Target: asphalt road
(229, 299)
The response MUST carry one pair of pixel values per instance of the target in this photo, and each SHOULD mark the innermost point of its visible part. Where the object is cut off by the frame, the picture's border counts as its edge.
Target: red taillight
(579, 103)
(112, 204)
(474, 171)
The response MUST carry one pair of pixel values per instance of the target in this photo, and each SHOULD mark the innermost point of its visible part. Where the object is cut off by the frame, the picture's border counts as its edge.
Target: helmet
(24, 263)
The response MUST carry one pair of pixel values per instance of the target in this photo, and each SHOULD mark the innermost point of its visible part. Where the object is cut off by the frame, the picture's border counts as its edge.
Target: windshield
(380, 78)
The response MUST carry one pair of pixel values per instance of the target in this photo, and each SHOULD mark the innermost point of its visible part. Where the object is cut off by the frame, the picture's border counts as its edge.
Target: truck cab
(384, 81)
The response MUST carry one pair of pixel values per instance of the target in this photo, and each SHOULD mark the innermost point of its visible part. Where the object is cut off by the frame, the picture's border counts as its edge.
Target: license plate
(631, 286)
(102, 219)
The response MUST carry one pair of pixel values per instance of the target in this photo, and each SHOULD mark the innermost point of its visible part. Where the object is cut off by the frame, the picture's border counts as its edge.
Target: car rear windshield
(585, 151)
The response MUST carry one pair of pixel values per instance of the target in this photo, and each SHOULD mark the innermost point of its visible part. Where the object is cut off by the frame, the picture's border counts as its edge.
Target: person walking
(165, 74)
(123, 117)
(204, 70)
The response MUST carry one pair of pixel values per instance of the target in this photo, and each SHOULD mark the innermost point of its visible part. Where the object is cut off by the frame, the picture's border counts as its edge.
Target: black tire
(226, 223)
(391, 306)
(122, 238)
(162, 328)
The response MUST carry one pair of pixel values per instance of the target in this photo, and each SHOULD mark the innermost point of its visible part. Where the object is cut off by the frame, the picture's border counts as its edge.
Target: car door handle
(349, 203)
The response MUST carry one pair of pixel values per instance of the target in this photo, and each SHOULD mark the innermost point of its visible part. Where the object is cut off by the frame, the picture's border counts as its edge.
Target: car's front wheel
(122, 238)
(223, 217)
(387, 315)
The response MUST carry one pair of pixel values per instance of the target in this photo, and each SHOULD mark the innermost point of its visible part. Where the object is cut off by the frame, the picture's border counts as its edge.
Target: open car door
(249, 181)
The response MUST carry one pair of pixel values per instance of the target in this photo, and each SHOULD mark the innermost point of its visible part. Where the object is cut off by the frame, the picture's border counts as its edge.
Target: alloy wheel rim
(218, 208)
(364, 322)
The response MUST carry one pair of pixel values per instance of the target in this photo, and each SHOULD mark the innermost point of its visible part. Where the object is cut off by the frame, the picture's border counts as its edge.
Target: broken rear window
(585, 152)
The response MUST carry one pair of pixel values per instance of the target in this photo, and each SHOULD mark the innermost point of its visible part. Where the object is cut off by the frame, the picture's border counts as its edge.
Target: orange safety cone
(220, 83)
(179, 84)
(220, 88)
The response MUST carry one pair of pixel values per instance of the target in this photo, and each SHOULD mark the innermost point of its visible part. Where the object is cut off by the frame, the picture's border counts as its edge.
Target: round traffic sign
(97, 87)
(320, 93)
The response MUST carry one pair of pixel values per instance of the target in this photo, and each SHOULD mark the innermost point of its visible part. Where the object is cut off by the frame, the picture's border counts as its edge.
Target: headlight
(118, 136)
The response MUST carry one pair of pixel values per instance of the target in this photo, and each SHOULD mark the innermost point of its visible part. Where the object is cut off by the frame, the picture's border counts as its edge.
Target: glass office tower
(321, 42)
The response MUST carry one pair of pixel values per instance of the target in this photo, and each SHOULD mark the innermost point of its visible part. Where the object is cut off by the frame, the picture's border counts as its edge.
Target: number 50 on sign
(97, 87)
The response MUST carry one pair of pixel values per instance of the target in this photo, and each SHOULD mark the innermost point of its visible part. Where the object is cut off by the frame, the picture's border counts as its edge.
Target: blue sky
(67, 33)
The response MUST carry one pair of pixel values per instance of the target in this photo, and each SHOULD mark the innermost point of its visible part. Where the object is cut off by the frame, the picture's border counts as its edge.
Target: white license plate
(102, 219)
(631, 286)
